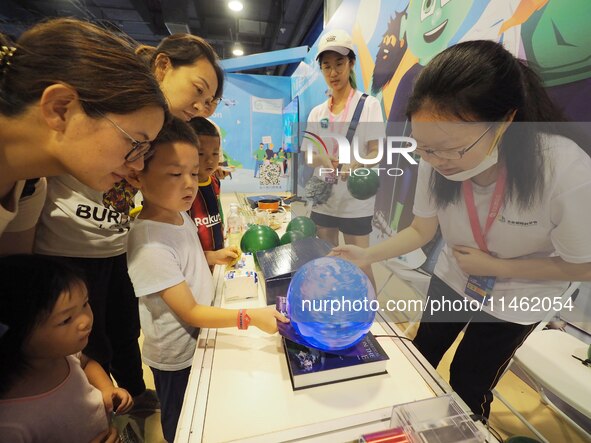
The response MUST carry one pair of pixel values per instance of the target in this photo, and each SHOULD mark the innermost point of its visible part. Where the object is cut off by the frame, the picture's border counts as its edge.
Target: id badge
(480, 288)
(331, 178)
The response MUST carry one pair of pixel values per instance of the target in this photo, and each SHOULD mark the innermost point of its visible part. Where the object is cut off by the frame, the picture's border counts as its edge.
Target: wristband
(243, 319)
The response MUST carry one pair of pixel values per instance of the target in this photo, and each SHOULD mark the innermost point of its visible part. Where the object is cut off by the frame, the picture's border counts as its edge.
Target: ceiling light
(237, 51)
(235, 5)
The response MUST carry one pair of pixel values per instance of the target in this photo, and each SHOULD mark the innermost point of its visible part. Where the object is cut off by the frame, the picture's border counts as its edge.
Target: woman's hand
(476, 262)
(348, 169)
(354, 254)
(117, 400)
(327, 162)
(266, 318)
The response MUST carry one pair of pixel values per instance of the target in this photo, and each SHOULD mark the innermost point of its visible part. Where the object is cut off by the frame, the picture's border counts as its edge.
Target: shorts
(349, 226)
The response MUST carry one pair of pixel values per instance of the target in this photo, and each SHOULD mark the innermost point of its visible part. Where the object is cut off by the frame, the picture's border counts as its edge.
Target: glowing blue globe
(331, 303)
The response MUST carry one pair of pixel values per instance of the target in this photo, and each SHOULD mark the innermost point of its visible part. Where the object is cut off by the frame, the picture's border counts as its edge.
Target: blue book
(309, 367)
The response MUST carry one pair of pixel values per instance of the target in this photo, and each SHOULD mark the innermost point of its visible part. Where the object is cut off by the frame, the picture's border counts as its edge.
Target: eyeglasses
(338, 68)
(139, 149)
(451, 154)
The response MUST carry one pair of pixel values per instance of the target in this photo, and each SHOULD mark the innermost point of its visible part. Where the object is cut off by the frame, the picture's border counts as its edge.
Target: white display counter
(240, 390)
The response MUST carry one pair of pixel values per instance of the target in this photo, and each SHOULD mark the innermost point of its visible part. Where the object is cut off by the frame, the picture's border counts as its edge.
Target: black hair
(184, 50)
(101, 66)
(174, 130)
(29, 289)
(482, 81)
(203, 126)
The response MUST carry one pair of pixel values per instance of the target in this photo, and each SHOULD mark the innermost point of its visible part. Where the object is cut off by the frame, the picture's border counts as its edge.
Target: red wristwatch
(243, 320)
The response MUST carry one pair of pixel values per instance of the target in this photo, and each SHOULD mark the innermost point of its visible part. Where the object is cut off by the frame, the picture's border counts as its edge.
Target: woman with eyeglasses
(339, 211)
(58, 83)
(90, 228)
(510, 190)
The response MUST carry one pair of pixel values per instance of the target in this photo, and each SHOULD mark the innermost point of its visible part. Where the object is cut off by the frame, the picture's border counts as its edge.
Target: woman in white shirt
(89, 228)
(74, 99)
(342, 212)
(510, 190)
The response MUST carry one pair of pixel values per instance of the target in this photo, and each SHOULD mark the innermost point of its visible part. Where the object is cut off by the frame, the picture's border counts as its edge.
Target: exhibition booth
(263, 121)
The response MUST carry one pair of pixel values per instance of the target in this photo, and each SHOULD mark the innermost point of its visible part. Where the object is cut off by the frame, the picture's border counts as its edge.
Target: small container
(269, 204)
(261, 216)
(235, 227)
(435, 420)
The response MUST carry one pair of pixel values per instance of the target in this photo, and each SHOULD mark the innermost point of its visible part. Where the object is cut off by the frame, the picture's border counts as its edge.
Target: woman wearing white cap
(341, 211)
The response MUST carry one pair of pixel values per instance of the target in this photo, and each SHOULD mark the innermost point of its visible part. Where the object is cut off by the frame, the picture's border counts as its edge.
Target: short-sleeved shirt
(260, 154)
(207, 216)
(24, 211)
(72, 412)
(341, 203)
(76, 223)
(160, 256)
(554, 226)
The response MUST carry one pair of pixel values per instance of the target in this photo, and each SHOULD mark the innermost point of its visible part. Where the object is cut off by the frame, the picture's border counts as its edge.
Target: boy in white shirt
(170, 273)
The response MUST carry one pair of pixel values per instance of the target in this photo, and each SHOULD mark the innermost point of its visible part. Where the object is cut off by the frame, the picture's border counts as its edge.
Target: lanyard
(342, 117)
(343, 114)
(493, 211)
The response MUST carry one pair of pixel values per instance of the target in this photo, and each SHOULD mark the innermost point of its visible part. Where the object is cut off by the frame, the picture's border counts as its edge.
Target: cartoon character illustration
(550, 34)
(557, 43)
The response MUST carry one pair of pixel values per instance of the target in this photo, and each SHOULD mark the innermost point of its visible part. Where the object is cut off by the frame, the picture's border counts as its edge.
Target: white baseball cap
(336, 40)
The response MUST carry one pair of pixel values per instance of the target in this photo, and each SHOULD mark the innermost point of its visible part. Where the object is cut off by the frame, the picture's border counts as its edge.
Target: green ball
(363, 187)
(302, 224)
(259, 238)
(521, 439)
(290, 236)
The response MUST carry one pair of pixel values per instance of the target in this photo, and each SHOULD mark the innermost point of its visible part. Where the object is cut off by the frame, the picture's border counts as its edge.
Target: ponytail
(7, 49)
(536, 103)
(147, 54)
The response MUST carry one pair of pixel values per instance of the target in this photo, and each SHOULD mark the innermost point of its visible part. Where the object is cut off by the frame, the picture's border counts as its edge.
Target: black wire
(489, 428)
(393, 336)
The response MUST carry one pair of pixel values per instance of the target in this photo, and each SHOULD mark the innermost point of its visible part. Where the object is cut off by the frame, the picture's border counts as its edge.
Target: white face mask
(490, 160)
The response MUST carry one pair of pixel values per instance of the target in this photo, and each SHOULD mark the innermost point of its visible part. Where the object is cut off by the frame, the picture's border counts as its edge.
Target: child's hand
(117, 400)
(225, 256)
(221, 172)
(109, 436)
(266, 319)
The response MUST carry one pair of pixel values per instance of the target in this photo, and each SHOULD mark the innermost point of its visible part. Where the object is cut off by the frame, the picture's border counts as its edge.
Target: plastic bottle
(235, 228)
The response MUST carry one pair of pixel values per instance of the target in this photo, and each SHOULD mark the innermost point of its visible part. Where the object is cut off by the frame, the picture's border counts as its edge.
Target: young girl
(342, 212)
(510, 190)
(74, 99)
(49, 391)
(169, 271)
